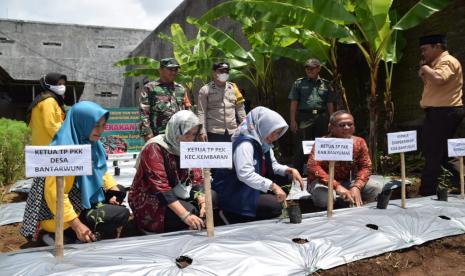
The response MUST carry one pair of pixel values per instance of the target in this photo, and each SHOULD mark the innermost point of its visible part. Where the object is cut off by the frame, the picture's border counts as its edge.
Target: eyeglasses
(348, 124)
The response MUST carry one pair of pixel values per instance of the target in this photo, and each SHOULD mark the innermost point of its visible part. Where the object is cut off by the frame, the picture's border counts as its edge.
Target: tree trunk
(341, 98)
(389, 108)
(373, 111)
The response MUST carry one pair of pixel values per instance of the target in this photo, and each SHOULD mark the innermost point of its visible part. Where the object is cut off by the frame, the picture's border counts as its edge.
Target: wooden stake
(208, 202)
(462, 193)
(329, 208)
(60, 189)
(402, 173)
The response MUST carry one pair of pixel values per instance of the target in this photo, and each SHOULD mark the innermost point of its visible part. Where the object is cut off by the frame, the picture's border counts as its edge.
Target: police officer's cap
(220, 65)
(433, 39)
(169, 63)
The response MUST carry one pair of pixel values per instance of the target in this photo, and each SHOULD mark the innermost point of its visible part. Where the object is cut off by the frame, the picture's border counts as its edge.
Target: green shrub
(14, 135)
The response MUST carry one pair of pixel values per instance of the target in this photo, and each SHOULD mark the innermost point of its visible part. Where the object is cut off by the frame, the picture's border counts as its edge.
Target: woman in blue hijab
(250, 191)
(86, 211)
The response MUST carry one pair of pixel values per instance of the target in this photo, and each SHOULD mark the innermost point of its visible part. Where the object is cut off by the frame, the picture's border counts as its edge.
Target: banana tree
(373, 32)
(270, 27)
(257, 63)
(317, 28)
(365, 23)
(195, 57)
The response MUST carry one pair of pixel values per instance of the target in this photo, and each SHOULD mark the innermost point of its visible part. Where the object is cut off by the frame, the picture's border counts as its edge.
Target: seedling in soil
(97, 215)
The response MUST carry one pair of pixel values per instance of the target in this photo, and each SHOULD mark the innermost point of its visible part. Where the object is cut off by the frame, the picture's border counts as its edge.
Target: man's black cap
(433, 39)
(220, 65)
(169, 63)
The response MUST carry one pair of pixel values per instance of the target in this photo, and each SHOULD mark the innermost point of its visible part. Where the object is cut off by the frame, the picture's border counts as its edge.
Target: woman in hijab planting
(86, 211)
(164, 197)
(248, 192)
(47, 112)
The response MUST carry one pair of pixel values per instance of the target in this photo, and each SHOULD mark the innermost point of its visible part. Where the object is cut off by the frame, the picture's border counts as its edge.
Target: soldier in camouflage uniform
(160, 99)
(313, 99)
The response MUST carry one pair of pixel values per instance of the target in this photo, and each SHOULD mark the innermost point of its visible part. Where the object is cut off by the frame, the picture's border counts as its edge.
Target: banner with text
(333, 149)
(206, 155)
(121, 133)
(456, 147)
(58, 160)
(402, 141)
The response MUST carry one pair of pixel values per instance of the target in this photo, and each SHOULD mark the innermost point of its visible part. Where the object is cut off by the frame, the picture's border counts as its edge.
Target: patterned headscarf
(76, 129)
(259, 123)
(179, 124)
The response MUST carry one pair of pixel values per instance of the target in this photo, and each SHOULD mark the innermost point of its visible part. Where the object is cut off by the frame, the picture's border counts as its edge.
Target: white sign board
(333, 149)
(456, 147)
(307, 146)
(402, 141)
(58, 160)
(206, 155)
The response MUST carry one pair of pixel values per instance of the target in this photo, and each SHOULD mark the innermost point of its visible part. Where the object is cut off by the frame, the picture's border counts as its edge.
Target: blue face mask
(266, 147)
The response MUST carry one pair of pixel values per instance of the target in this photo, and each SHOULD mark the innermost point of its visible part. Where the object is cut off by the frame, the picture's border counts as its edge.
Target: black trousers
(268, 207)
(174, 223)
(214, 137)
(318, 128)
(440, 124)
(105, 218)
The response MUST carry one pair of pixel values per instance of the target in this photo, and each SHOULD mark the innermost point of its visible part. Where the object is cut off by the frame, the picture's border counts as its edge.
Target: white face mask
(58, 89)
(223, 77)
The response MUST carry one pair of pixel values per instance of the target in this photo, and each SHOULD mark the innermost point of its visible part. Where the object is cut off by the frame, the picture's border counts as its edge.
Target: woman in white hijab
(248, 191)
(164, 197)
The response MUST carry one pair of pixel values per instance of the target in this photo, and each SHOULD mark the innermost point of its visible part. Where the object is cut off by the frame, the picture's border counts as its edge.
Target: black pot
(295, 216)
(117, 171)
(442, 194)
(383, 199)
(115, 163)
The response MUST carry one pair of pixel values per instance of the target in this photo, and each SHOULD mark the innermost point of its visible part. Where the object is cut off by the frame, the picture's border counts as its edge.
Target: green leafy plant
(97, 215)
(369, 24)
(444, 178)
(14, 135)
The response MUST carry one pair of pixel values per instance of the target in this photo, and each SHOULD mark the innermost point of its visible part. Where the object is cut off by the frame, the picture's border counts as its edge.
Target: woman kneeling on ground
(164, 197)
(245, 192)
(89, 211)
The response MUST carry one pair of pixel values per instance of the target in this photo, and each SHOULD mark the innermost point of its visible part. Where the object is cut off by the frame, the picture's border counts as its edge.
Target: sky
(139, 14)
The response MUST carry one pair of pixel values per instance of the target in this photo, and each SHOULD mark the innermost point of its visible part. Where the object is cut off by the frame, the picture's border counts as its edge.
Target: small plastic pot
(117, 171)
(294, 213)
(383, 199)
(442, 194)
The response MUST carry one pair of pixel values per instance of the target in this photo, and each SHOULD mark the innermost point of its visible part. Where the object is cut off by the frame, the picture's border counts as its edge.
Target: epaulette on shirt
(299, 80)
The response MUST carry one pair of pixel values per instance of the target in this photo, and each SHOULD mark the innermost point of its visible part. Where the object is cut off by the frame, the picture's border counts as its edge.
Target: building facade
(86, 54)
